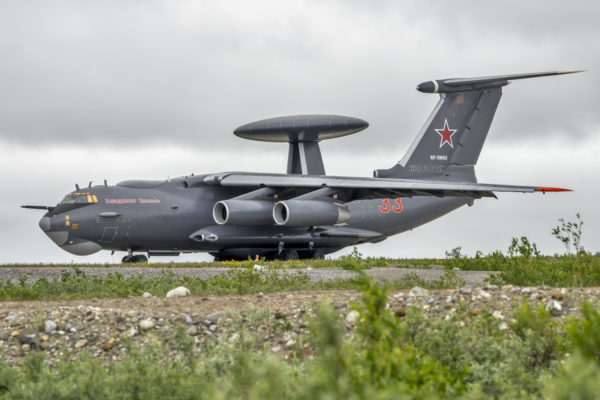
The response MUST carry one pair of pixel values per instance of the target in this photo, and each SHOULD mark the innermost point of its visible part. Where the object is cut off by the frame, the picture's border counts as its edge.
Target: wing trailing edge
(364, 188)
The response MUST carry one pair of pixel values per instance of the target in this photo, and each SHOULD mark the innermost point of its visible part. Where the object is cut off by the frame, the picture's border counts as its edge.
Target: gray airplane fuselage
(161, 220)
(304, 212)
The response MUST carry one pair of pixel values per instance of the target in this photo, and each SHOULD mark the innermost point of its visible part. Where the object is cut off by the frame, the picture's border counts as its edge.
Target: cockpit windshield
(79, 198)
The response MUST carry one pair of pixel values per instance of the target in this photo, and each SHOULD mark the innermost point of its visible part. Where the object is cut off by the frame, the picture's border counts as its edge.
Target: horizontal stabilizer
(466, 84)
(500, 78)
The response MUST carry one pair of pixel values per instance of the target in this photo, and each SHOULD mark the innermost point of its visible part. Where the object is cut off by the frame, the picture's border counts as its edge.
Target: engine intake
(309, 213)
(243, 212)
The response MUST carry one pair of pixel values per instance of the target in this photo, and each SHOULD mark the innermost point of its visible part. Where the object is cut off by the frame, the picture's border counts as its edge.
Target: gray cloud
(152, 72)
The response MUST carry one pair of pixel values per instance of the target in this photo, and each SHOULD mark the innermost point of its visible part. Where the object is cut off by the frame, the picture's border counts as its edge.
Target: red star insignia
(446, 134)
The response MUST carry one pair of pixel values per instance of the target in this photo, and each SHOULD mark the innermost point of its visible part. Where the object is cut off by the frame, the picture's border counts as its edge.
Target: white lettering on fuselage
(120, 201)
(132, 201)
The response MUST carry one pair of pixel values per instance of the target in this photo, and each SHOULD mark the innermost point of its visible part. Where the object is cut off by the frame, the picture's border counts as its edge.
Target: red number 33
(387, 207)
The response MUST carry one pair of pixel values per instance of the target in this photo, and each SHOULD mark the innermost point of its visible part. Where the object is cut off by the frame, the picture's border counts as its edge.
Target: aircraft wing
(355, 188)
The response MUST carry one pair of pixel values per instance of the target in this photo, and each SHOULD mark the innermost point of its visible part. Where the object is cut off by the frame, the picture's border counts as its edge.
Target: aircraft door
(109, 234)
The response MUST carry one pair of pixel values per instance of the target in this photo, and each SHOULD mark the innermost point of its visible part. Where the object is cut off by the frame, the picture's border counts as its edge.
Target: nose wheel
(138, 258)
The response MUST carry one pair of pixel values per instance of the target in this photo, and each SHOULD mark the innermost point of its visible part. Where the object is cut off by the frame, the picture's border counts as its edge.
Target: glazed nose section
(58, 237)
(45, 224)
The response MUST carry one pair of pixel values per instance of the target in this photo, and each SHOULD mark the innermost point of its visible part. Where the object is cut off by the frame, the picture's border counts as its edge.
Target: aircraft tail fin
(449, 144)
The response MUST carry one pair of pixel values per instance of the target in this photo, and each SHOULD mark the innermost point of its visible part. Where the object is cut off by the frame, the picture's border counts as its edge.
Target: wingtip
(571, 72)
(552, 189)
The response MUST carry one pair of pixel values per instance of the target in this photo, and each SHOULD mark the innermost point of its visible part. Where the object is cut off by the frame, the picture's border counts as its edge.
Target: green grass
(388, 357)
(558, 271)
(363, 263)
(75, 284)
(522, 265)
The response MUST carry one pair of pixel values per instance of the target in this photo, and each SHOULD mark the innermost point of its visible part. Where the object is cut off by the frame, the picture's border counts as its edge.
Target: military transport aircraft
(304, 212)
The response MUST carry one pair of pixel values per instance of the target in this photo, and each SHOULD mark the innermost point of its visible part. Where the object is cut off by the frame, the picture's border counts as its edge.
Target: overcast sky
(149, 89)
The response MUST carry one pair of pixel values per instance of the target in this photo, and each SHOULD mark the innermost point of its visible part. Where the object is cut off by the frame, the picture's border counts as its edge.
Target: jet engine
(309, 213)
(243, 212)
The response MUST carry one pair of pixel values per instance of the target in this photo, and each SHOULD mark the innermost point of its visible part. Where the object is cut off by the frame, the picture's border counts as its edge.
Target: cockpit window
(68, 199)
(79, 198)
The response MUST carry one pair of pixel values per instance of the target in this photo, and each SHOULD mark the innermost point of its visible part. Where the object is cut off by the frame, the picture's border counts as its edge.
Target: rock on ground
(352, 316)
(181, 291)
(418, 291)
(146, 324)
(50, 326)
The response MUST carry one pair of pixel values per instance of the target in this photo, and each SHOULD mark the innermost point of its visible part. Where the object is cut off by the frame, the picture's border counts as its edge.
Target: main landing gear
(290, 255)
(270, 255)
(316, 255)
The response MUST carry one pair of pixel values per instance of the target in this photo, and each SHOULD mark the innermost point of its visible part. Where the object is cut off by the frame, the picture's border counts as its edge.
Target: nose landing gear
(138, 258)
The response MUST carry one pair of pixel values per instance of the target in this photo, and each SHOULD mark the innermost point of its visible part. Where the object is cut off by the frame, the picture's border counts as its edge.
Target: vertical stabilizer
(449, 144)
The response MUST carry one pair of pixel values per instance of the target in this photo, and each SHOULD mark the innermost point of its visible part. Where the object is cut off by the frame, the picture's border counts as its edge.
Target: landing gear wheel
(140, 258)
(290, 255)
(317, 255)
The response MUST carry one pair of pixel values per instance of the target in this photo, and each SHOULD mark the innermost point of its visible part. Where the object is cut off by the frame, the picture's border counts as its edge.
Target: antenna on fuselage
(105, 184)
(77, 186)
(90, 184)
(303, 133)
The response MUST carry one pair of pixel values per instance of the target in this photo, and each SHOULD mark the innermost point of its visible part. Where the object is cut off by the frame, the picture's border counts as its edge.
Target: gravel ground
(472, 278)
(103, 327)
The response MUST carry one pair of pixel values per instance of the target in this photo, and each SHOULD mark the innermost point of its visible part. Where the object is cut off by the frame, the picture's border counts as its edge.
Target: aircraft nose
(45, 224)
(57, 236)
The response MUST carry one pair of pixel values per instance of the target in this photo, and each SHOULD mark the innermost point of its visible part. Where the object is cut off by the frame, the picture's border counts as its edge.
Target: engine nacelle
(243, 212)
(309, 213)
